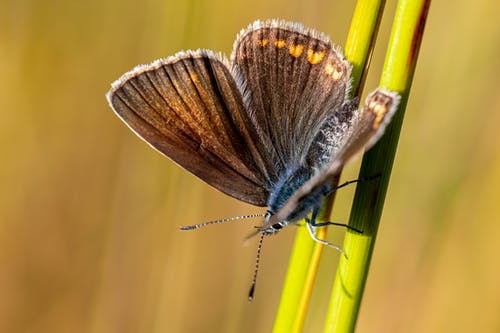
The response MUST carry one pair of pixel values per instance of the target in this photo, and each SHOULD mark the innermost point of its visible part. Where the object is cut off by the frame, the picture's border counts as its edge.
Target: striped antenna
(256, 271)
(229, 219)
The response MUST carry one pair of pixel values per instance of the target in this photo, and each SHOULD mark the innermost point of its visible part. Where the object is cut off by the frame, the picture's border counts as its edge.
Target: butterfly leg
(315, 223)
(310, 228)
(322, 224)
(310, 223)
(330, 191)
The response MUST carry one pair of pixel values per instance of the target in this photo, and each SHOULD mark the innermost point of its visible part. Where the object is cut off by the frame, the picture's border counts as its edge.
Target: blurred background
(89, 214)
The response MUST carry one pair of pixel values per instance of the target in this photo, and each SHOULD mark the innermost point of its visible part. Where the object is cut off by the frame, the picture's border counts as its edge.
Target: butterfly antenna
(256, 271)
(229, 219)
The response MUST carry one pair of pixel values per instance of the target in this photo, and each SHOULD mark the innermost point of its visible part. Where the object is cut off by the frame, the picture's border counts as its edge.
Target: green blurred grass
(89, 213)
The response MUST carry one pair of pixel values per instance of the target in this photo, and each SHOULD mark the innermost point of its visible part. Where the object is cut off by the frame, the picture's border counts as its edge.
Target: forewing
(295, 79)
(190, 109)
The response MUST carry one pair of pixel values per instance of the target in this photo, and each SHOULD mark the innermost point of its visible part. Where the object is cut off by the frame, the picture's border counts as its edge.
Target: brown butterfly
(271, 126)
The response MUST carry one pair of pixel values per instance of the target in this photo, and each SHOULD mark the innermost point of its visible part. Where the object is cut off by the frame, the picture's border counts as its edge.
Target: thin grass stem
(304, 260)
(399, 67)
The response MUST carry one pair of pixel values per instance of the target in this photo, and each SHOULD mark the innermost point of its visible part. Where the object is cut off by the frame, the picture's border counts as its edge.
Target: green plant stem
(304, 260)
(298, 282)
(406, 36)
(361, 40)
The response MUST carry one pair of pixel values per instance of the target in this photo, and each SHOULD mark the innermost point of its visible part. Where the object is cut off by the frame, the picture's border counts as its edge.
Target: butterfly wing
(377, 112)
(294, 80)
(190, 109)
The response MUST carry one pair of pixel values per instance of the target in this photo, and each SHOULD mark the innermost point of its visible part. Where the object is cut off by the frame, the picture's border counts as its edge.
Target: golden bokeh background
(89, 214)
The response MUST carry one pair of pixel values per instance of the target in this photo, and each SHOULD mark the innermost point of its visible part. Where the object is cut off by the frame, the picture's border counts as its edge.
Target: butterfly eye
(277, 226)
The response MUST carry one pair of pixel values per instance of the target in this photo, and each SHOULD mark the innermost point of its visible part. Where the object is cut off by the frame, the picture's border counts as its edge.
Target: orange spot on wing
(379, 110)
(262, 42)
(333, 71)
(315, 57)
(280, 43)
(296, 50)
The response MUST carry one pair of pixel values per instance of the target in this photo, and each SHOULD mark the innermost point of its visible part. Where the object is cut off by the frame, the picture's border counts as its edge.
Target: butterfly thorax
(284, 189)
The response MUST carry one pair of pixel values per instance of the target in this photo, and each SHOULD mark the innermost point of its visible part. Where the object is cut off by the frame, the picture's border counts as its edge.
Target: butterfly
(271, 126)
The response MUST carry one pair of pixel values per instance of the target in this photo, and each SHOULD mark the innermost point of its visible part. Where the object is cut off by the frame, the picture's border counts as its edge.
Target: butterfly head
(270, 229)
